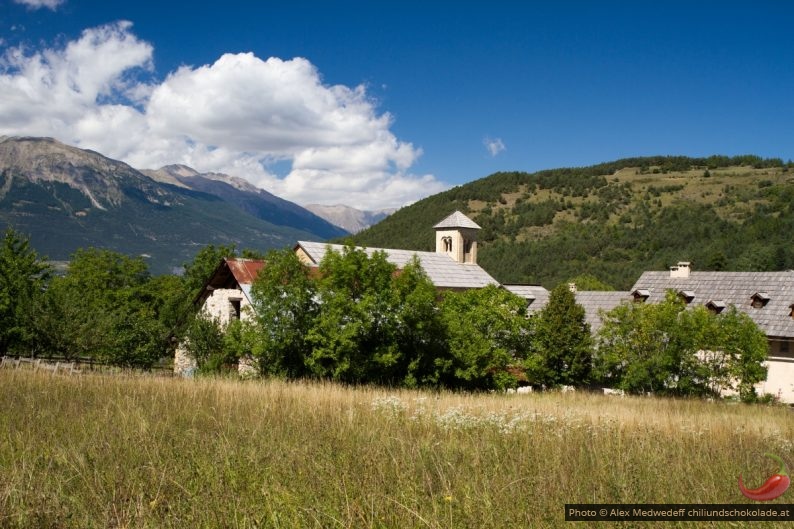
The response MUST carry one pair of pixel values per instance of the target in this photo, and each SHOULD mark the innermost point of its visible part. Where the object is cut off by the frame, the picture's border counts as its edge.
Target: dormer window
(791, 312)
(759, 300)
(716, 306)
(687, 295)
(640, 295)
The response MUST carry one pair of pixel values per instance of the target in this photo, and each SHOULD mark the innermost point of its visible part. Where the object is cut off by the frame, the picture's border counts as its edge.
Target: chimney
(680, 271)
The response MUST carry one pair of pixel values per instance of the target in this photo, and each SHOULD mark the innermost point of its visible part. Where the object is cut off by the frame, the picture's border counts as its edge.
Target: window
(716, 306)
(784, 347)
(447, 243)
(687, 295)
(640, 295)
(759, 300)
(234, 309)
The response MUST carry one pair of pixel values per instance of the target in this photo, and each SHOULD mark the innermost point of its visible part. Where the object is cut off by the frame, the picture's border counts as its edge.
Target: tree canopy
(23, 276)
(561, 345)
(669, 349)
(358, 319)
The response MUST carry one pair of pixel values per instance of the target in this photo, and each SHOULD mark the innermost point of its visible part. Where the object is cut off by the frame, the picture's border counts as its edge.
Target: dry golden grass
(102, 451)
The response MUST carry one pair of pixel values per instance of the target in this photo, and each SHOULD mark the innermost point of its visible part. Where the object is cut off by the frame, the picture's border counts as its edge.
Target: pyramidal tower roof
(457, 220)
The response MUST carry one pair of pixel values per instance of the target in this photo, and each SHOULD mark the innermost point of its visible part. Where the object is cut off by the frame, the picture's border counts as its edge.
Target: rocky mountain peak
(42, 160)
(350, 219)
(179, 170)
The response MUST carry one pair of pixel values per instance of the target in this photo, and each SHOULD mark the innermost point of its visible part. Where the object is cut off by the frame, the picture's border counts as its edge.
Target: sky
(379, 104)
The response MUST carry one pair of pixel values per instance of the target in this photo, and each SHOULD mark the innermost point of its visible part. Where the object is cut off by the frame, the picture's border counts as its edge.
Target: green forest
(613, 221)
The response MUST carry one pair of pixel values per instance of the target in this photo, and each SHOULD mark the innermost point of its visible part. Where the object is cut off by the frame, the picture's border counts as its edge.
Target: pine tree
(562, 345)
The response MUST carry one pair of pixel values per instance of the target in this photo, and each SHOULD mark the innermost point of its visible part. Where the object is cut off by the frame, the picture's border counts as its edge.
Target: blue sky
(379, 104)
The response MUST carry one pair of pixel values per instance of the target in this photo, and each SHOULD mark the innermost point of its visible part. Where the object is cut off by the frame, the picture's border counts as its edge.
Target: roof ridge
(457, 220)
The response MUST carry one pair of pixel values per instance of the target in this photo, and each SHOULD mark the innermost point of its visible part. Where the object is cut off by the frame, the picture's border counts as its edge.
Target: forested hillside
(616, 219)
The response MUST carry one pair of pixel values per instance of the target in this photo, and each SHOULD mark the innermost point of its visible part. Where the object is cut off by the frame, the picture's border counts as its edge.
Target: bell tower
(456, 236)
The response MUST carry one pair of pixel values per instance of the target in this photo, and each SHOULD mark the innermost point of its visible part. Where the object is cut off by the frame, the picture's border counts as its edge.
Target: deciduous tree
(487, 333)
(353, 338)
(285, 309)
(667, 348)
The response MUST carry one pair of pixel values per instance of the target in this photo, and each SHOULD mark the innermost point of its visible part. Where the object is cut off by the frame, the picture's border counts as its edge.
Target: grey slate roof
(591, 301)
(733, 288)
(594, 302)
(442, 270)
(457, 220)
(536, 296)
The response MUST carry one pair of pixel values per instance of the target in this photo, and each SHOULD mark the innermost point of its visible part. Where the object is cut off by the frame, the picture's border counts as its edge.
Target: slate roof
(591, 301)
(733, 288)
(442, 270)
(536, 296)
(457, 220)
(594, 302)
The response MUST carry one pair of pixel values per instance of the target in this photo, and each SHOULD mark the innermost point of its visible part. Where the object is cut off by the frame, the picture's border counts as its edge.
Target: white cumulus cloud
(37, 4)
(494, 145)
(239, 115)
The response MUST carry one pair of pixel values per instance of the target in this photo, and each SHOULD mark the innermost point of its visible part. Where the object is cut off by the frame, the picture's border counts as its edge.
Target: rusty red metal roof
(245, 270)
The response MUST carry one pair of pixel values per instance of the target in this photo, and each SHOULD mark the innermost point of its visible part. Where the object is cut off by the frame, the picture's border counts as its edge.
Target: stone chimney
(680, 271)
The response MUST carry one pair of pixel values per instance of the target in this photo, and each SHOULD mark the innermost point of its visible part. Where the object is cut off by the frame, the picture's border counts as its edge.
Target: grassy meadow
(125, 451)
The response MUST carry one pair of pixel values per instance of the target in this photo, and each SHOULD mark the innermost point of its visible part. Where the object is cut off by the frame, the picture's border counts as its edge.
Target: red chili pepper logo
(772, 488)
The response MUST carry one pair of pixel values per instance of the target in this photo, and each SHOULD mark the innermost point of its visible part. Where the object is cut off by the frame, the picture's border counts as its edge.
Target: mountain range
(604, 224)
(65, 198)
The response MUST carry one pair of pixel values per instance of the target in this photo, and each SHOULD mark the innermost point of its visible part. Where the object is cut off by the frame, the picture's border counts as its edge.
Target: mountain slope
(615, 220)
(249, 198)
(67, 198)
(350, 219)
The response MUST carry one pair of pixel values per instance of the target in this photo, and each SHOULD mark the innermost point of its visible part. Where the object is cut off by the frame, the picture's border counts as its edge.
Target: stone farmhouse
(226, 296)
(767, 297)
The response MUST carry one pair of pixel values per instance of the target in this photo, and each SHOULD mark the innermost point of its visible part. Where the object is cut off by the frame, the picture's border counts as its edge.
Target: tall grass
(102, 451)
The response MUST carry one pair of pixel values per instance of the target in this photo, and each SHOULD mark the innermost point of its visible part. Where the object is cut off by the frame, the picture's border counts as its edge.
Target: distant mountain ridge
(249, 198)
(67, 198)
(349, 219)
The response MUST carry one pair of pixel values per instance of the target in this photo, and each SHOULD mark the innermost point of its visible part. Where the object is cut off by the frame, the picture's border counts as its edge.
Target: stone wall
(220, 306)
(184, 364)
